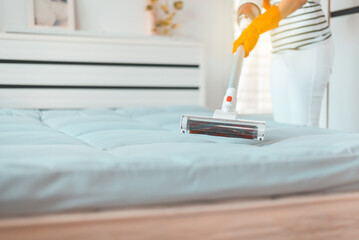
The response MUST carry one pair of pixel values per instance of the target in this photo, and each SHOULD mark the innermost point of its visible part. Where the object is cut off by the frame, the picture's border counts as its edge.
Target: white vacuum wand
(229, 104)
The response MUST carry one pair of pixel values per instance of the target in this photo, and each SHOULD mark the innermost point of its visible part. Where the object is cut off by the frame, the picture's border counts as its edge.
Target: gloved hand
(266, 4)
(261, 24)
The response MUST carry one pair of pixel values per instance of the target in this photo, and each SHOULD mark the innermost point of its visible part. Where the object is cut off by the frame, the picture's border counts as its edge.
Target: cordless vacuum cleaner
(225, 122)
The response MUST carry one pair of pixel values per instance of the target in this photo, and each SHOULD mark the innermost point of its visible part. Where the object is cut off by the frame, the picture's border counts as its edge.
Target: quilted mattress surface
(79, 160)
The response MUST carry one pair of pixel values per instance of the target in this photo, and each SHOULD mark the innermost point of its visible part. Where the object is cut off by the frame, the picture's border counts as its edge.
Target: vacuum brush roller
(254, 130)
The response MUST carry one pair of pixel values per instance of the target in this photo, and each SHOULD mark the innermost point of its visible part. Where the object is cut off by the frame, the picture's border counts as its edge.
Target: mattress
(79, 160)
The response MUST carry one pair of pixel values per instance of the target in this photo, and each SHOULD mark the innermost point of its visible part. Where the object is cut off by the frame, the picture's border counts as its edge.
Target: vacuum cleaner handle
(237, 68)
(230, 99)
(243, 23)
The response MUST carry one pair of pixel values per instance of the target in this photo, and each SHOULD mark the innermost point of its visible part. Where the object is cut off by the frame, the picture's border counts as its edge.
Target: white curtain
(254, 87)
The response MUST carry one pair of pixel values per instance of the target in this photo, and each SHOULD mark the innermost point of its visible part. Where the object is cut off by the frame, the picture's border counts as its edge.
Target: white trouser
(298, 82)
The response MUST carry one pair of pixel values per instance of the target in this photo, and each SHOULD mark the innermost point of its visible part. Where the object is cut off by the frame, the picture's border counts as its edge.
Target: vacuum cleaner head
(223, 128)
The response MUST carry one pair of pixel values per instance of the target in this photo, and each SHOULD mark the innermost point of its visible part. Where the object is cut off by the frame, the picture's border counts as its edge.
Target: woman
(301, 59)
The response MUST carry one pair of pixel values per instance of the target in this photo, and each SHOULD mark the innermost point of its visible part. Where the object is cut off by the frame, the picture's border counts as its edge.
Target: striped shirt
(303, 28)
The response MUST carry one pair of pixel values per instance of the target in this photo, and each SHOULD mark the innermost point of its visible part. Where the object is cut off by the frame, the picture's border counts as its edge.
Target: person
(301, 59)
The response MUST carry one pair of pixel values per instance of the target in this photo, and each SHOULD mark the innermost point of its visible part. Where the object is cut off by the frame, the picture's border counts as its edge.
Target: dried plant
(164, 26)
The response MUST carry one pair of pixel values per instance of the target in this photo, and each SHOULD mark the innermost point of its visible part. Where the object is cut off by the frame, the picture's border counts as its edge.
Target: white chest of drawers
(38, 71)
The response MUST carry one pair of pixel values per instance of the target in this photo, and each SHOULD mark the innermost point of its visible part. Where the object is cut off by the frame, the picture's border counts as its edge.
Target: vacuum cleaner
(225, 121)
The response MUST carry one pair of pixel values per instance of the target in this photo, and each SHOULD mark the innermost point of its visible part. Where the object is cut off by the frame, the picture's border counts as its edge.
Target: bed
(90, 148)
(62, 170)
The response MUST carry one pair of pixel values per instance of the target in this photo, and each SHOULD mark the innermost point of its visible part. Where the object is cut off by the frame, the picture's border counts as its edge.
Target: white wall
(124, 17)
(14, 13)
(211, 22)
(207, 21)
(1, 16)
(344, 86)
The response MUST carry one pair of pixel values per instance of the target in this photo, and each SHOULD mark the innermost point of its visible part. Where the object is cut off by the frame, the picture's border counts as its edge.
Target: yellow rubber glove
(266, 4)
(261, 24)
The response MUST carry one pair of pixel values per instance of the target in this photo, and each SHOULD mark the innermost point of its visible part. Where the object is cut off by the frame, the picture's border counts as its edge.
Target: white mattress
(60, 161)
